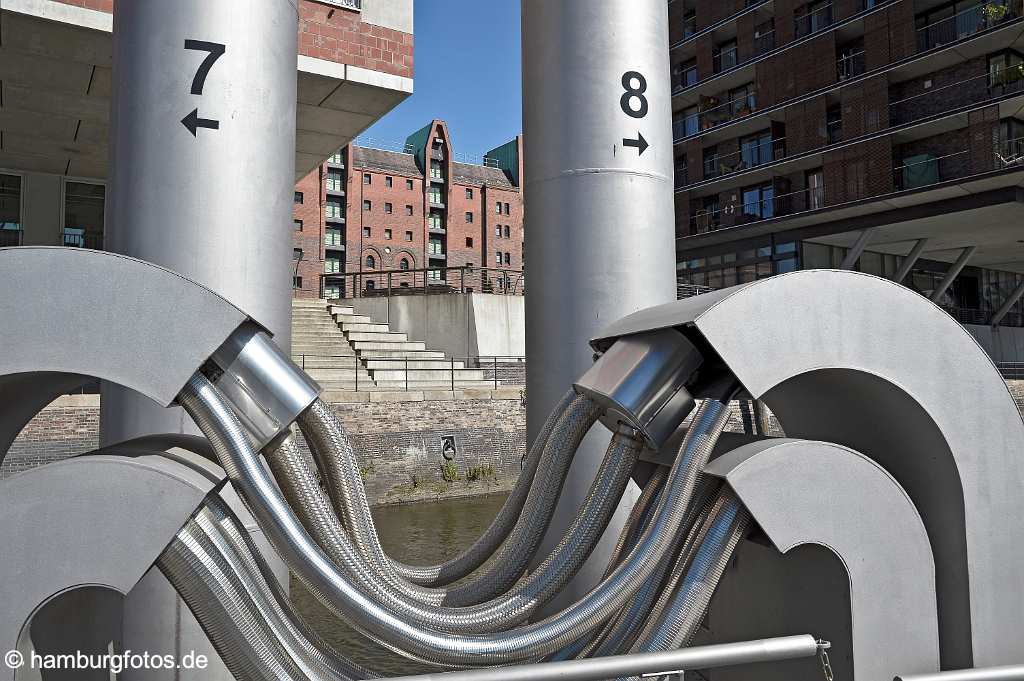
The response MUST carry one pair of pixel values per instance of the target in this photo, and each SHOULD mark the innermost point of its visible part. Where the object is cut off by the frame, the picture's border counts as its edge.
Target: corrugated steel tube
(203, 402)
(331, 448)
(299, 485)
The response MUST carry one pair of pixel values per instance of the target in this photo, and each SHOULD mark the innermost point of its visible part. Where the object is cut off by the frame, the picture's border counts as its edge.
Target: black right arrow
(193, 121)
(640, 143)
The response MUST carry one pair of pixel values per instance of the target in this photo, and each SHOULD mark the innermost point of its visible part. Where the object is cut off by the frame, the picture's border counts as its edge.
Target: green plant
(367, 470)
(479, 473)
(415, 481)
(450, 471)
(994, 12)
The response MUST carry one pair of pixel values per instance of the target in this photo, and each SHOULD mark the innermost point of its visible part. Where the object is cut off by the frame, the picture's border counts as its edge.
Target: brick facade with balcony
(854, 103)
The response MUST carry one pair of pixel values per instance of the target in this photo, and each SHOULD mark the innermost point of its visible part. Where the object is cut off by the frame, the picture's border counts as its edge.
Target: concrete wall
(42, 199)
(462, 325)
(1003, 344)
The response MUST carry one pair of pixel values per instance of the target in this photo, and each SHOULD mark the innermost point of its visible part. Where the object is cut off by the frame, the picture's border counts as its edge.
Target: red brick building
(368, 215)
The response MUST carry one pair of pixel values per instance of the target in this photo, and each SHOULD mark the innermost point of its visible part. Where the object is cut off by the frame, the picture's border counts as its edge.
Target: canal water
(418, 534)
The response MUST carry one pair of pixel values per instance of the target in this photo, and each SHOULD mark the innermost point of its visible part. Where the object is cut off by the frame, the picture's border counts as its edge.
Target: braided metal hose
(726, 526)
(207, 407)
(333, 451)
(300, 488)
(225, 610)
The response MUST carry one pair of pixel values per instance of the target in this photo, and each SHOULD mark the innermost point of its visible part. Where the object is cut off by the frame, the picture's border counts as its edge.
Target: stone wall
(399, 441)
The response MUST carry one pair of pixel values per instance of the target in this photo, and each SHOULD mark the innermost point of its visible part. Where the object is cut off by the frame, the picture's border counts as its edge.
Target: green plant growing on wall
(993, 12)
(450, 471)
(366, 471)
(479, 473)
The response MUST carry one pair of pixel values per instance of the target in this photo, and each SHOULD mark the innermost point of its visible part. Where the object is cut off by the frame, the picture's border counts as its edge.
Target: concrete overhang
(55, 89)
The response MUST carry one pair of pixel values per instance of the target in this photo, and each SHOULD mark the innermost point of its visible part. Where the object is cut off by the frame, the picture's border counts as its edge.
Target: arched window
(371, 262)
(403, 264)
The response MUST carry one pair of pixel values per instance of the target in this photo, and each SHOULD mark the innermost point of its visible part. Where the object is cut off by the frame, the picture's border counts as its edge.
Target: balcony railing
(716, 115)
(968, 22)
(792, 203)
(93, 241)
(813, 22)
(759, 154)
(851, 65)
(834, 131)
(429, 280)
(929, 170)
(684, 78)
(11, 237)
(967, 92)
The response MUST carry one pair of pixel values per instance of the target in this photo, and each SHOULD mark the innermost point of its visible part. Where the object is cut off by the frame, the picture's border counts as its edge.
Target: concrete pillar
(202, 159)
(598, 191)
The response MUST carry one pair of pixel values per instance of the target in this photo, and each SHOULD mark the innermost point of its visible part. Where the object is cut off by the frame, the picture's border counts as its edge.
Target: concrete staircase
(335, 345)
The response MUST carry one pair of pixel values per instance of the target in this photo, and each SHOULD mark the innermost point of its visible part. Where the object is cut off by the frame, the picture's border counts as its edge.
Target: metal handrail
(963, 24)
(1007, 673)
(11, 237)
(428, 280)
(809, 19)
(496, 370)
(851, 65)
(724, 168)
(737, 105)
(667, 662)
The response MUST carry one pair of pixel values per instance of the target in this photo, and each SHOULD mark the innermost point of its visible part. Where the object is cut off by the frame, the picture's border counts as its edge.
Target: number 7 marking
(215, 50)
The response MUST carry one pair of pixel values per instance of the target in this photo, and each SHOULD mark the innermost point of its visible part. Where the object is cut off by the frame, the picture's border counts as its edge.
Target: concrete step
(365, 327)
(341, 309)
(412, 363)
(352, 319)
(401, 354)
(425, 375)
(386, 337)
(320, 375)
(315, 362)
(304, 303)
(332, 333)
(360, 345)
(323, 352)
(433, 385)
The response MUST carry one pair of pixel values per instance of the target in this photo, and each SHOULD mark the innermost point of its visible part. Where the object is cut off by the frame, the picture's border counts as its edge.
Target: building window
(434, 221)
(298, 225)
(851, 59)
(298, 197)
(756, 149)
(508, 231)
(497, 258)
(387, 208)
(332, 265)
(366, 232)
(758, 202)
(371, 284)
(497, 231)
(388, 181)
(10, 210)
(387, 234)
(403, 264)
(408, 209)
(685, 74)
(814, 180)
(367, 205)
(335, 180)
(334, 237)
(725, 55)
(469, 193)
(813, 17)
(435, 247)
(408, 184)
(332, 291)
(508, 210)
(371, 262)
(333, 209)
(84, 214)
(367, 179)
(497, 207)
(469, 242)
(436, 171)
(1006, 69)
(690, 122)
(469, 217)
(408, 236)
(296, 254)
(296, 282)
(743, 100)
(336, 158)
(711, 165)
(434, 196)
(834, 123)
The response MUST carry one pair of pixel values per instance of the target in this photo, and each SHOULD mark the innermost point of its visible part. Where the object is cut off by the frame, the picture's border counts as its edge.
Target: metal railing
(759, 154)
(428, 280)
(813, 22)
(93, 241)
(724, 60)
(970, 315)
(800, 201)
(1011, 371)
(719, 114)
(403, 373)
(764, 42)
(11, 237)
(966, 23)
(851, 65)
(930, 171)
(966, 92)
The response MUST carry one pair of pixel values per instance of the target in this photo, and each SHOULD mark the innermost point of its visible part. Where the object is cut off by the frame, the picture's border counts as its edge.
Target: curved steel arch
(861, 361)
(78, 313)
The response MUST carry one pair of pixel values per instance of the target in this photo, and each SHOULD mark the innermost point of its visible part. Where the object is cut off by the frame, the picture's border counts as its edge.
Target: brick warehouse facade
(799, 126)
(371, 211)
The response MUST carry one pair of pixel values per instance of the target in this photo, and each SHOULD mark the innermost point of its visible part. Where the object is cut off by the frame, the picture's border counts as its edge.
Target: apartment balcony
(748, 157)
(76, 240)
(818, 20)
(726, 59)
(802, 201)
(336, 189)
(715, 115)
(963, 93)
(436, 229)
(851, 66)
(967, 23)
(335, 218)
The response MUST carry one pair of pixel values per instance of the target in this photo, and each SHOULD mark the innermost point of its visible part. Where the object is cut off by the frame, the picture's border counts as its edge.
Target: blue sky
(466, 72)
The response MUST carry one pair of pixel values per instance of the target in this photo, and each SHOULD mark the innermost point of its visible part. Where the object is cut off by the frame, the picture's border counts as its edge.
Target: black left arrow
(193, 121)
(640, 143)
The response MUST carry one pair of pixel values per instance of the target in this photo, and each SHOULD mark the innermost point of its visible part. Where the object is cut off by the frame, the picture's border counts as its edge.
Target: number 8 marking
(632, 93)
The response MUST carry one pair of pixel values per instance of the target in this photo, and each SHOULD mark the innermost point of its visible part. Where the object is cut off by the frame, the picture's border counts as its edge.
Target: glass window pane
(83, 214)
